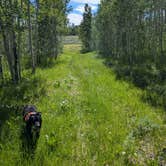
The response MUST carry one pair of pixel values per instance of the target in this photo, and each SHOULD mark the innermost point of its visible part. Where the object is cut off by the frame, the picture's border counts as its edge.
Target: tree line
(72, 30)
(131, 35)
(30, 34)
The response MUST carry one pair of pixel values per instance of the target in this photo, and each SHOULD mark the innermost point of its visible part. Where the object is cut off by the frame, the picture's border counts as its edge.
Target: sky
(75, 16)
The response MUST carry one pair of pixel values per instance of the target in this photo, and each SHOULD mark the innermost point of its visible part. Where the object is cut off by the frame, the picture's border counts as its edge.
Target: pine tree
(85, 29)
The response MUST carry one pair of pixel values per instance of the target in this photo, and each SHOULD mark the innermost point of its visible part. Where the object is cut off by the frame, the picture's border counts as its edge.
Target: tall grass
(89, 118)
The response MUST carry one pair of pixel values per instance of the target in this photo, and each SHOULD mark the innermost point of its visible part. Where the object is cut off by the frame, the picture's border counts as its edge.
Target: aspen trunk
(161, 18)
(8, 54)
(1, 68)
(36, 33)
(30, 38)
(16, 59)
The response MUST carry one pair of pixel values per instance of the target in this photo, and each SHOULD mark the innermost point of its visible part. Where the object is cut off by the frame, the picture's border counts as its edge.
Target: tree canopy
(31, 30)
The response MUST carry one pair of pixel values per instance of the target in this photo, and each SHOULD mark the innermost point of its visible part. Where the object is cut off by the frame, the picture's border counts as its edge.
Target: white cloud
(81, 8)
(95, 2)
(75, 18)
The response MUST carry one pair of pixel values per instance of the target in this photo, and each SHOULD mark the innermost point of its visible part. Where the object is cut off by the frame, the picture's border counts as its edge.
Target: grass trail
(90, 118)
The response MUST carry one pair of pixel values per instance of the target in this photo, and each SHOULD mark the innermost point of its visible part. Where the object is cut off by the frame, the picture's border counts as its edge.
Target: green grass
(89, 118)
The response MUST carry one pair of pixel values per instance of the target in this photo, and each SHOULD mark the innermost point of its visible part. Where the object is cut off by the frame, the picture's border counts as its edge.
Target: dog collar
(27, 116)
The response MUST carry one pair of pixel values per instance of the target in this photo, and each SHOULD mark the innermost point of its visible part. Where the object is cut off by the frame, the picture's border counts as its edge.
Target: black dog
(33, 121)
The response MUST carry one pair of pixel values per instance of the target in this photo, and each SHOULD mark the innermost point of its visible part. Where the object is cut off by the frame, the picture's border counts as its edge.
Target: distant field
(71, 40)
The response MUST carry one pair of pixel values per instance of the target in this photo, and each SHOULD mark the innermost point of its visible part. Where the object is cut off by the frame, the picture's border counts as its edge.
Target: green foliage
(156, 95)
(140, 75)
(143, 134)
(57, 84)
(30, 34)
(51, 26)
(131, 35)
(64, 105)
(25, 92)
(51, 142)
(144, 128)
(85, 29)
(72, 30)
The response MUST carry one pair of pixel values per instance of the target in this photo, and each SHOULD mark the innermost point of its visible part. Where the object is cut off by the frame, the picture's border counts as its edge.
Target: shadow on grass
(144, 77)
(6, 113)
(28, 145)
(52, 64)
(18, 95)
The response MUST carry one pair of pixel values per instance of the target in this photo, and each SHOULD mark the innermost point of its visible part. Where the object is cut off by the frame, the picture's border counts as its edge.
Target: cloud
(75, 18)
(78, 8)
(94, 2)
(81, 8)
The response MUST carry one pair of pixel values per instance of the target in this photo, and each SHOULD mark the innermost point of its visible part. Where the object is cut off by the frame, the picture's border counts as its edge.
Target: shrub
(156, 95)
(122, 71)
(65, 105)
(145, 127)
(144, 75)
(163, 74)
(56, 84)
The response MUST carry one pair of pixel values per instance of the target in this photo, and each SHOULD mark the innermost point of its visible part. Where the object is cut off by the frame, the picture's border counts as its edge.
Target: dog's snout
(37, 124)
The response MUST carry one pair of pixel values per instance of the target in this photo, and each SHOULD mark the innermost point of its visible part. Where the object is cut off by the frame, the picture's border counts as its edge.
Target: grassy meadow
(89, 117)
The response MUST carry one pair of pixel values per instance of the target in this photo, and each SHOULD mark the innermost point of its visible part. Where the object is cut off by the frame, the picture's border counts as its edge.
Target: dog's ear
(30, 108)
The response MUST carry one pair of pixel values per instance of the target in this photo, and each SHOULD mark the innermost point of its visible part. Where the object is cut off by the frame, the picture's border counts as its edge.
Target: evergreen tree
(85, 29)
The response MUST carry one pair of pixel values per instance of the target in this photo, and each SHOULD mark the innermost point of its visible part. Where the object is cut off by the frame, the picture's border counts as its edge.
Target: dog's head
(35, 120)
(29, 108)
(32, 118)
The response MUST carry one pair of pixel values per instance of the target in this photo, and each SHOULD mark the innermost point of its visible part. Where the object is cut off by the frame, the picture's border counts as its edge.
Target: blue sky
(75, 16)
